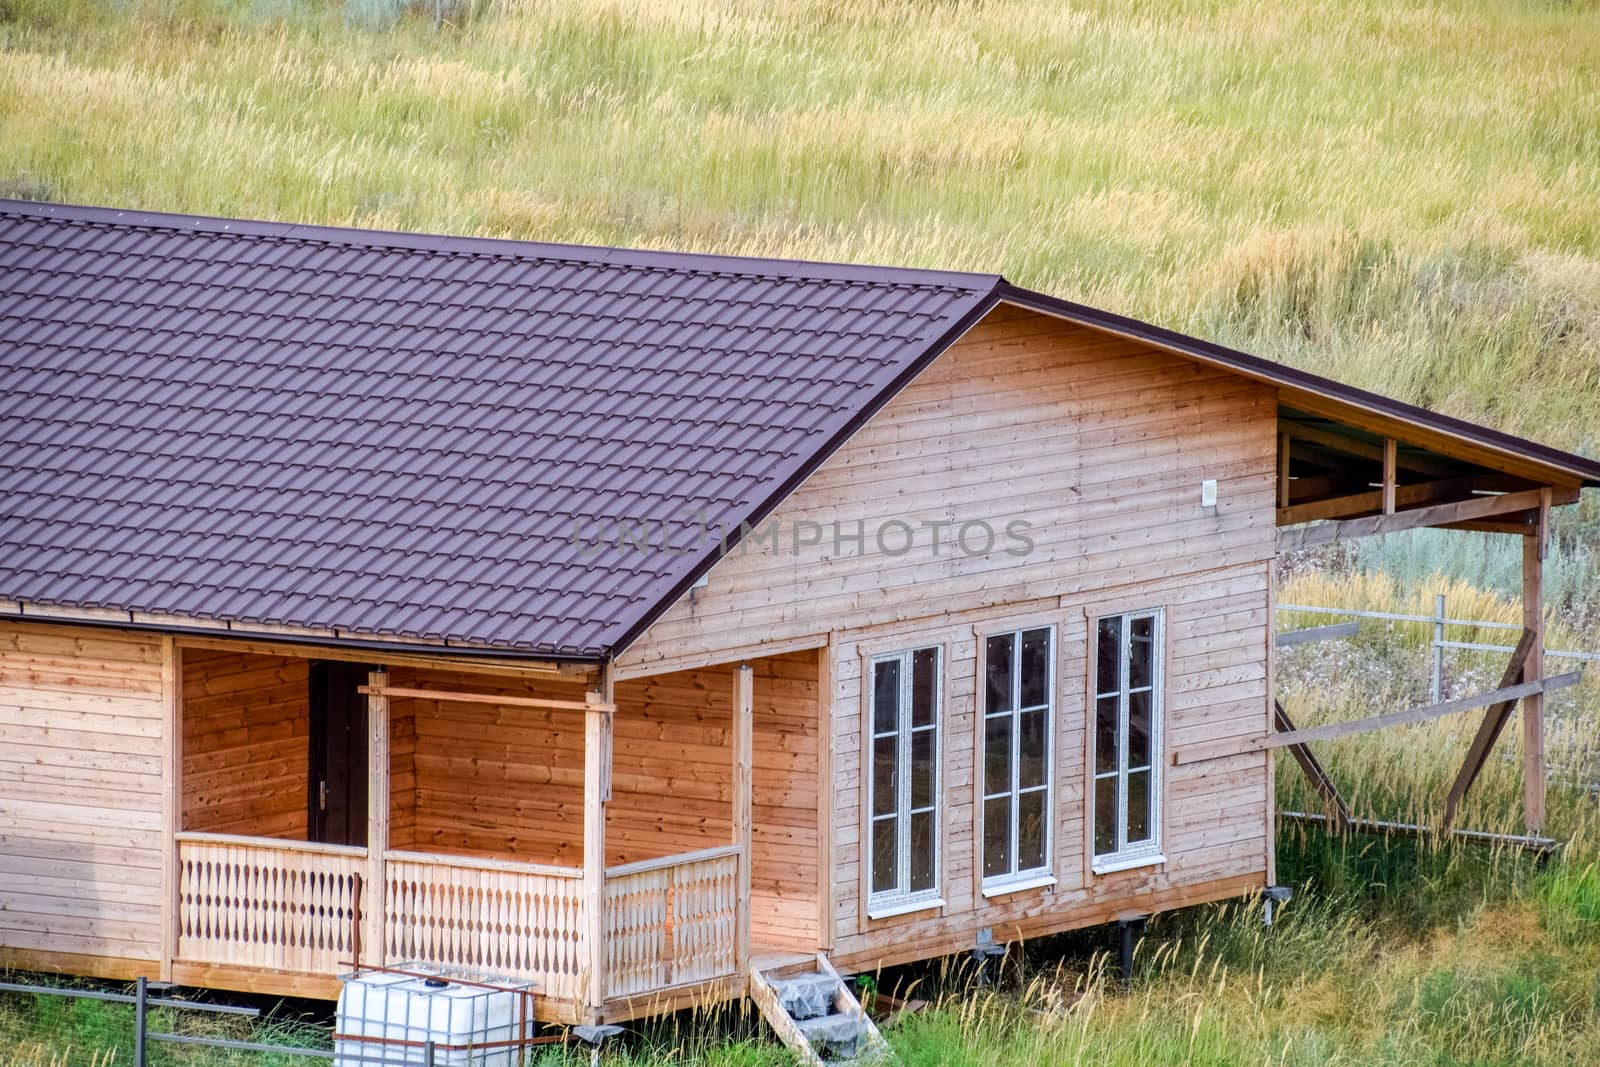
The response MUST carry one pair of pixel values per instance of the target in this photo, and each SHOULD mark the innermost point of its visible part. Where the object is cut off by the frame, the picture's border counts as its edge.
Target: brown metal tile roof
(399, 436)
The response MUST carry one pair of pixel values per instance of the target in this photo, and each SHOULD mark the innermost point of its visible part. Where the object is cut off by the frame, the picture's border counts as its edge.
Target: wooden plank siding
(1102, 445)
(505, 781)
(246, 738)
(82, 745)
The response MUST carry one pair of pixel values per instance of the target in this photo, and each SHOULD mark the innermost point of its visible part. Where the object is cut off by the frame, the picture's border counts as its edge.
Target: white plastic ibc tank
(386, 1017)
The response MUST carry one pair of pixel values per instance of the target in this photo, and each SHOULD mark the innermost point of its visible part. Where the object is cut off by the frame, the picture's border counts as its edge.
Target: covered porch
(598, 839)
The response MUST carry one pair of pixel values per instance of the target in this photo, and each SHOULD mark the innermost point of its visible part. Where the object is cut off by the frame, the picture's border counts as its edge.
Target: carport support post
(1533, 769)
(596, 791)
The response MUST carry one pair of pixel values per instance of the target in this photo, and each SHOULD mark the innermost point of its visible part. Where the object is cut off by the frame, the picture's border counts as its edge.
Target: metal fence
(395, 1054)
(1441, 620)
(1581, 770)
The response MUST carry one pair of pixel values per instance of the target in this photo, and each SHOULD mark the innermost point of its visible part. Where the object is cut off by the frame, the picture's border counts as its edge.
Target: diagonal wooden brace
(1320, 781)
(1494, 721)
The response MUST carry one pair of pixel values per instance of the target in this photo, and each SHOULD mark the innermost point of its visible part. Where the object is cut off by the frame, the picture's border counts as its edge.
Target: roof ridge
(417, 240)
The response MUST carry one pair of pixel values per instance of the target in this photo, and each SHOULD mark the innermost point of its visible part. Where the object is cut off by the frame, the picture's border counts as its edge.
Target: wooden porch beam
(1314, 771)
(1390, 476)
(1534, 545)
(377, 816)
(1329, 731)
(1372, 500)
(1494, 721)
(1521, 523)
(1482, 507)
(487, 698)
(743, 790)
(596, 792)
(171, 800)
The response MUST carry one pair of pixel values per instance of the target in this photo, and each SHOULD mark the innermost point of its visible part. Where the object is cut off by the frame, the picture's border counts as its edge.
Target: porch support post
(372, 899)
(596, 791)
(1533, 768)
(743, 733)
(171, 801)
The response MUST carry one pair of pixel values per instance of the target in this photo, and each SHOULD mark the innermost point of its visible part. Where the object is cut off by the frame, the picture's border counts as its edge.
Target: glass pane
(924, 685)
(1141, 655)
(1138, 807)
(885, 754)
(1030, 830)
(1035, 668)
(885, 695)
(996, 836)
(1031, 749)
(1143, 628)
(1139, 729)
(1108, 662)
(922, 851)
(1105, 815)
(1105, 735)
(997, 755)
(997, 670)
(922, 768)
(885, 856)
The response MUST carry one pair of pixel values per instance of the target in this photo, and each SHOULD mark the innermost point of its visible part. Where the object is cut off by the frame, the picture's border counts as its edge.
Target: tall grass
(1401, 195)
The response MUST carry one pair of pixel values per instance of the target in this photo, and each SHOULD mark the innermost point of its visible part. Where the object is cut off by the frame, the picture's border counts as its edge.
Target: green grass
(1400, 195)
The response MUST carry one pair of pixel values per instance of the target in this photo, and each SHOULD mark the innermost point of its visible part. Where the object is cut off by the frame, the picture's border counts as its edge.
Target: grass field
(1402, 195)
(1405, 196)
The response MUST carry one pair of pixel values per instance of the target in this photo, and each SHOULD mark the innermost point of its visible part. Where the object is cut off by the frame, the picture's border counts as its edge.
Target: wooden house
(632, 623)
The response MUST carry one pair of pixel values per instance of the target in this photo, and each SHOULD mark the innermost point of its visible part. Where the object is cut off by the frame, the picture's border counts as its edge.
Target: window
(1127, 740)
(903, 789)
(1019, 700)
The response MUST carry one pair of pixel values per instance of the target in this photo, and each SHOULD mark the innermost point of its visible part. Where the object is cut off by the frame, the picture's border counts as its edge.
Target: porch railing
(518, 919)
(262, 902)
(296, 906)
(671, 921)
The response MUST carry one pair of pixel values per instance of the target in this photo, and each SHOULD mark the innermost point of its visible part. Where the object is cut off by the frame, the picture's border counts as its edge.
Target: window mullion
(1016, 753)
(903, 778)
(1125, 664)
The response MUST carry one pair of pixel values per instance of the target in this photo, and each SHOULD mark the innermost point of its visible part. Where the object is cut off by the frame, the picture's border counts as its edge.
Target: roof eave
(1585, 470)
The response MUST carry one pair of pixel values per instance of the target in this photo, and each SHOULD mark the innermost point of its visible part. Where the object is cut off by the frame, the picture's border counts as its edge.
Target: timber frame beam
(1481, 507)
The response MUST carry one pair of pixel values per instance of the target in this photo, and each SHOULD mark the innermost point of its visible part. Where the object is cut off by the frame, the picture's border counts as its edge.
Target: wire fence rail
(348, 1052)
(1583, 769)
(1439, 642)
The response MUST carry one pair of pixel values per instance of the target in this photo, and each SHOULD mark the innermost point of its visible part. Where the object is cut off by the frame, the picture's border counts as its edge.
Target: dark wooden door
(338, 754)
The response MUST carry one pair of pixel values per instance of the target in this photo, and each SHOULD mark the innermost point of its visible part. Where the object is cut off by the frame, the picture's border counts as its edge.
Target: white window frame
(903, 899)
(1017, 879)
(1148, 852)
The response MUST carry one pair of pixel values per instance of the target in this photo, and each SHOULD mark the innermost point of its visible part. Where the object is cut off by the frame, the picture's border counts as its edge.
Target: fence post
(427, 1054)
(1438, 648)
(141, 1008)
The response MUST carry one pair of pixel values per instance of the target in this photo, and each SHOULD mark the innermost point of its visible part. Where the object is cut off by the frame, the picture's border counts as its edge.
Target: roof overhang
(1318, 396)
